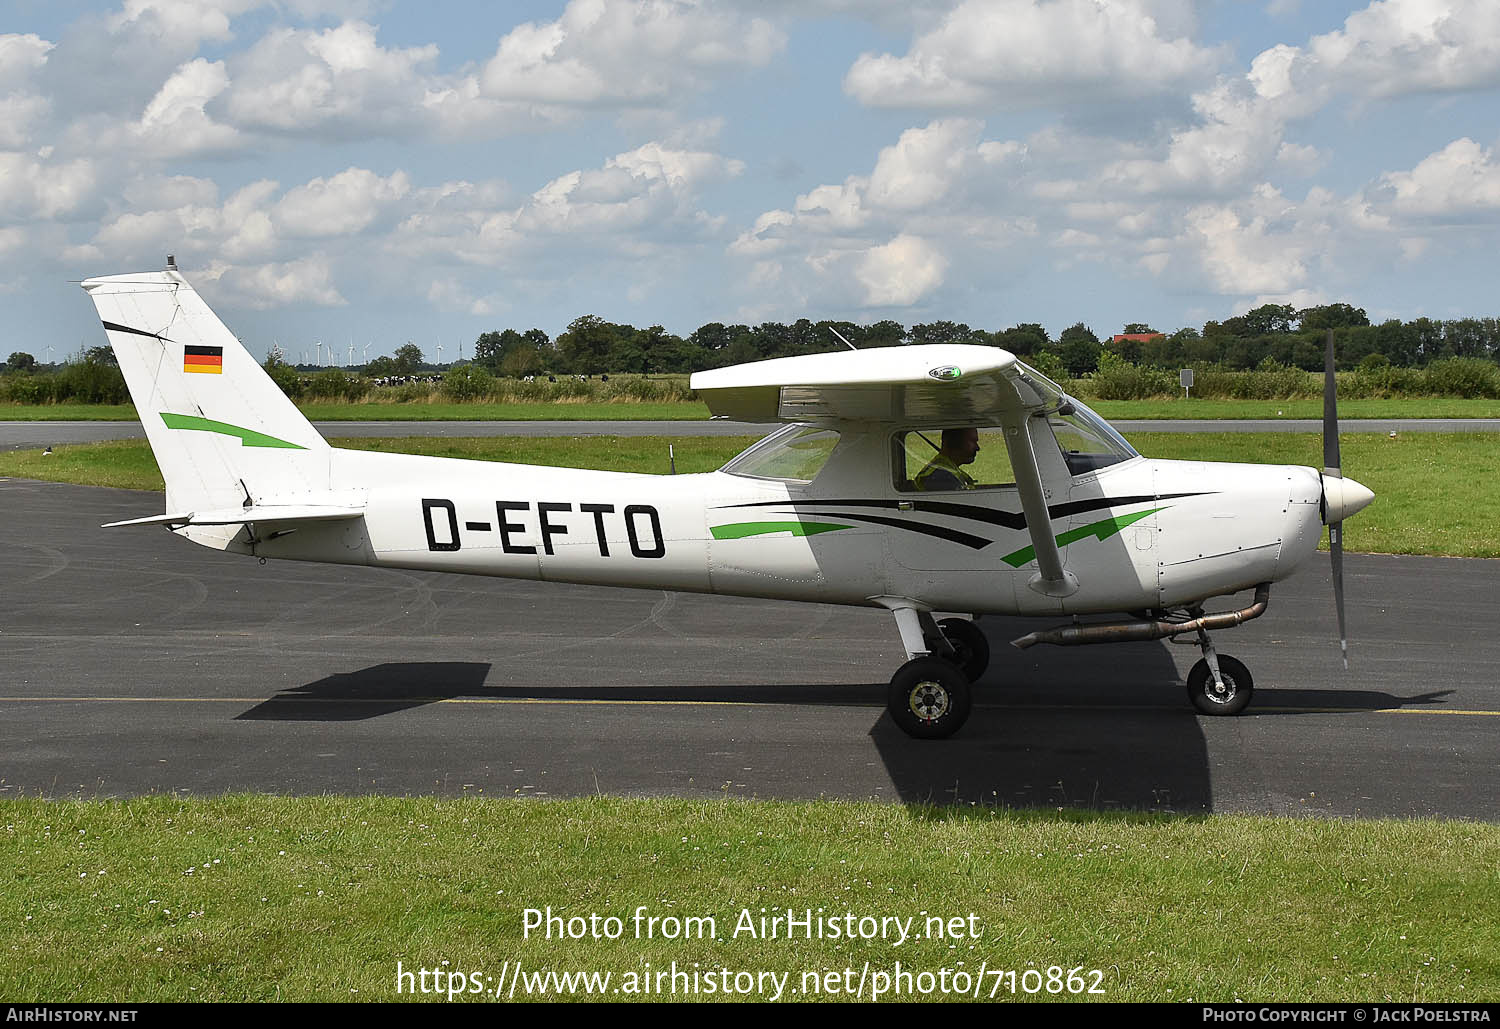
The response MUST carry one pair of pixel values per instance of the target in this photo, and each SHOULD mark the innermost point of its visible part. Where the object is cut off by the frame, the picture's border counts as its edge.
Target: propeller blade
(1331, 463)
(1336, 549)
(1332, 470)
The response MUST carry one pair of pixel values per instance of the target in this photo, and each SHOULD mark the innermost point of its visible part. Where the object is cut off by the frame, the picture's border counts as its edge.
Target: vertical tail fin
(223, 433)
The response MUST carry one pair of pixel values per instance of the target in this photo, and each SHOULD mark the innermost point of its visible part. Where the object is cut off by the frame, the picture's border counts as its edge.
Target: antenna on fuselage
(842, 340)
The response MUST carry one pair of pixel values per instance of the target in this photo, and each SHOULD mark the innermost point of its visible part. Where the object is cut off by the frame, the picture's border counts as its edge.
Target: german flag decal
(205, 360)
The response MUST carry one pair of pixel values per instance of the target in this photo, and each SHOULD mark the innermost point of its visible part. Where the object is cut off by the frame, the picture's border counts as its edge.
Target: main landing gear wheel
(929, 698)
(971, 648)
(1208, 699)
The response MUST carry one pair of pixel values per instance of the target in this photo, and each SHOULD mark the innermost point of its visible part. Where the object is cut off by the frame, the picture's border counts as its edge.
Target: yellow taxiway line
(641, 702)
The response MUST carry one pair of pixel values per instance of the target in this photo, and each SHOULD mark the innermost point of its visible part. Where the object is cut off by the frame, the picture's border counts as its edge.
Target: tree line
(1271, 333)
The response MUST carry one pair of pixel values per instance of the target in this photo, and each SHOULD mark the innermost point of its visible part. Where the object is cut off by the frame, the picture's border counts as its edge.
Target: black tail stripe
(134, 332)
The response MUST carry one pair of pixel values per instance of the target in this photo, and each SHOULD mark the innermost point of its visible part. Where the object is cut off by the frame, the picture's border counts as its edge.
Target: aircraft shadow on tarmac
(1086, 727)
(372, 692)
(1093, 728)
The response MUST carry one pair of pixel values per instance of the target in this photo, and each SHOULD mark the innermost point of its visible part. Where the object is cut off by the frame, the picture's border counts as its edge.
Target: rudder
(222, 432)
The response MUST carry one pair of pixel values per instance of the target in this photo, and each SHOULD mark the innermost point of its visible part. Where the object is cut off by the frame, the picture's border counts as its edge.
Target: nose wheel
(929, 698)
(1229, 696)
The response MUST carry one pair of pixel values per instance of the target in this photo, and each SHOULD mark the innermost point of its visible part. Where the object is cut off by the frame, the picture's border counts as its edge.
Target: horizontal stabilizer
(166, 519)
(257, 513)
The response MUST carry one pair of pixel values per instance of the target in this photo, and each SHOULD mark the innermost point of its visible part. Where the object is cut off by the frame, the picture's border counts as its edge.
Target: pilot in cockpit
(945, 471)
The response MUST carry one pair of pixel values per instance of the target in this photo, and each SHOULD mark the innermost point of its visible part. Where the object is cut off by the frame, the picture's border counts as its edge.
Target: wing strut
(1051, 579)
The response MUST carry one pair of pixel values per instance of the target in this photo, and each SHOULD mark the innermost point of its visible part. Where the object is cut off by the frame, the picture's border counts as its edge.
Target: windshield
(1087, 441)
(795, 454)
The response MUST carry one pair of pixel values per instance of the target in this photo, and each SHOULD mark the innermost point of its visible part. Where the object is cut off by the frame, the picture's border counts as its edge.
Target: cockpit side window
(920, 466)
(795, 454)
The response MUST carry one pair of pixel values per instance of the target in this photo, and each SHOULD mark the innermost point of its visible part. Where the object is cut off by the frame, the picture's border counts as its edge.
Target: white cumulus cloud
(618, 53)
(1015, 53)
(338, 80)
(340, 205)
(901, 272)
(1458, 182)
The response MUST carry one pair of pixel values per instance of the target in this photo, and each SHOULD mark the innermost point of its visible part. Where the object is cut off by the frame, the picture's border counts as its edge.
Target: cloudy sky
(376, 171)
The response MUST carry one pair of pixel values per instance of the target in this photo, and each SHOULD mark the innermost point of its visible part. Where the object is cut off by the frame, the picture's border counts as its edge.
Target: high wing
(947, 383)
(934, 384)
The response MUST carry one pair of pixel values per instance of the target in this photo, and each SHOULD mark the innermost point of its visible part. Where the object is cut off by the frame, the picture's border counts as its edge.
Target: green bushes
(1118, 379)
(1464, 377)
(1269, 381)
(1468, 377)
(473, 383)
(336, 384)
(467, 383)
(78, 382)
(285, 376)
(25, 388)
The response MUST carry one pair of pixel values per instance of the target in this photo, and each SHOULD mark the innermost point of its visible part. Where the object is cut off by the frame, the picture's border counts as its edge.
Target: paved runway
(24, 435)
(132, 662)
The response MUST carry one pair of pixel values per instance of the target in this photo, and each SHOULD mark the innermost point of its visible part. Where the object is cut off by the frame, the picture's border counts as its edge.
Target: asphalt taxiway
(132, 662)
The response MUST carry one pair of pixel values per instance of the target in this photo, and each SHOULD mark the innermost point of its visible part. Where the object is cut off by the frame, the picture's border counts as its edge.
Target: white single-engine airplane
(1053, 514)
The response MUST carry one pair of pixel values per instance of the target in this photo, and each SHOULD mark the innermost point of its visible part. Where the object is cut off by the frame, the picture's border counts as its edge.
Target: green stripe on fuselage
(1101, 530)
(740, 530)
(248, 437)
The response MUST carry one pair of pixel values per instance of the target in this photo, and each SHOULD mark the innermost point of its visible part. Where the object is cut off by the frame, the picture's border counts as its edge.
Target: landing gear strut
(971, 648)
(1218, 685)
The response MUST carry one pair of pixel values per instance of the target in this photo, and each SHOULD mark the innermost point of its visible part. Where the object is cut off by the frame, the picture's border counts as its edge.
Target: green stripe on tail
(248, 437)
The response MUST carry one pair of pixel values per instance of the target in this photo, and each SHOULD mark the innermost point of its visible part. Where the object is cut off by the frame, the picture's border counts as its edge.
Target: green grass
(262, 898)
(1435, 492)
(125, 464)
(67, 413)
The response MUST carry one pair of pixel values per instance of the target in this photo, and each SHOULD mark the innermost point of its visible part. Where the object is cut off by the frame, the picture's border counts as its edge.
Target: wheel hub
(1220, 693)
(930, 701)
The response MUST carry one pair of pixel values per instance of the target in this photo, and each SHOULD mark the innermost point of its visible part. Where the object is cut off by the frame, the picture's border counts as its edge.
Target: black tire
(1237, 682)
(929, 698)
(971, 648)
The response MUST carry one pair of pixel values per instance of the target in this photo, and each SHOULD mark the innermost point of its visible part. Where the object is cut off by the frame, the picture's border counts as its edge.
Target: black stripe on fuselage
(117, 327)
(942, 532)
(990, 516)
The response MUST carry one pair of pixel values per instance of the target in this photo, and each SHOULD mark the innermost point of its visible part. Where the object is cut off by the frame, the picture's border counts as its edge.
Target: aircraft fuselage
(1140, 534)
